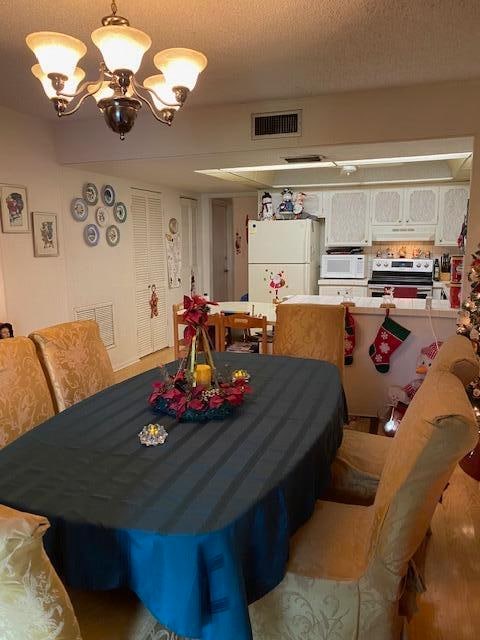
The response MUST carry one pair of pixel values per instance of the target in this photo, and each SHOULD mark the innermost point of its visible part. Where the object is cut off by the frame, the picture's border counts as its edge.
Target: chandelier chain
(113, 7)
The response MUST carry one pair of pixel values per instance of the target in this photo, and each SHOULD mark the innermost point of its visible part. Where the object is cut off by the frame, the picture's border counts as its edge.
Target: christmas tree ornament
(389, 337)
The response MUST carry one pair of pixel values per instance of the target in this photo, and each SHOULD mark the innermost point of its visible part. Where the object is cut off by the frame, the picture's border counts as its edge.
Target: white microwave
(343, 266)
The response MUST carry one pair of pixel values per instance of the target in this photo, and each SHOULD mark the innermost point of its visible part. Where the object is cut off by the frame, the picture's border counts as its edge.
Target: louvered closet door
(149, 260)
(157, 268)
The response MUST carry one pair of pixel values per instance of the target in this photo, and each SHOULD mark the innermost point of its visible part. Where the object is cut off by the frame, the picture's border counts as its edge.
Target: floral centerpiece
(196, 392)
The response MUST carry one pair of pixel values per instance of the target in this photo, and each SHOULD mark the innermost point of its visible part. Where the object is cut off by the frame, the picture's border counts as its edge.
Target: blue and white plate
(91, 234)
(90, 193)
(79, 209)
(113, 235)
(108, 195)
(101, 216)
(120, 212)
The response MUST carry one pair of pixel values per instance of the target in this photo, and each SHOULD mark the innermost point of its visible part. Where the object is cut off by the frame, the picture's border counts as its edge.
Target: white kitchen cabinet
(387, 206)
(421, 206)
(334, 290)
(452, 209)
(347, 216)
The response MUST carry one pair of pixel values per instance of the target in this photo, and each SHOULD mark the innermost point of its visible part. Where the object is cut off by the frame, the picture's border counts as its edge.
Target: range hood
(398, 232)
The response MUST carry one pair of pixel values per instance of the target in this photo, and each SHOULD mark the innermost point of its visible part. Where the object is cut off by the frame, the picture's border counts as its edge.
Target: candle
(203, 374)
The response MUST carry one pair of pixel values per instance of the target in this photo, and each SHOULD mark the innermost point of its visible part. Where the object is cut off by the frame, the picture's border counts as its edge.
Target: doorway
(222, 249)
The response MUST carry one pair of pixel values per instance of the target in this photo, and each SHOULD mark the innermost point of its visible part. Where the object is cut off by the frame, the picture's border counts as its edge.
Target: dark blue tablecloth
(199, 527)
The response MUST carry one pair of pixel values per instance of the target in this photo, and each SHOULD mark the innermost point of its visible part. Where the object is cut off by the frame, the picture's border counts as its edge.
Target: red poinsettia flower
(196, 404)
(215, 402)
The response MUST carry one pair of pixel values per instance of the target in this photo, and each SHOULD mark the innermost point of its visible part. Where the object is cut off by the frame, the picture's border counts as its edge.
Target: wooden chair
(25, 400)
(74, 360)
(179, 346)
(244, 322)
(311, 331)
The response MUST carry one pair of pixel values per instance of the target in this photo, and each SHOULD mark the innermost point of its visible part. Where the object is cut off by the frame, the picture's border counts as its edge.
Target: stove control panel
(403, 265)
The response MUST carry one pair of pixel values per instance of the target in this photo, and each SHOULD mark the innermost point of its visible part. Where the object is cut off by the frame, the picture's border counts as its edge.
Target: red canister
(455, 295)
(456, 269)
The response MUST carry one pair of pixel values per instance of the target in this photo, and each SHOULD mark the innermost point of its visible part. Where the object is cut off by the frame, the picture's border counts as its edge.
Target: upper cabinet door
(387, 206)
(347, 216)
(421, 206)
(452, 210)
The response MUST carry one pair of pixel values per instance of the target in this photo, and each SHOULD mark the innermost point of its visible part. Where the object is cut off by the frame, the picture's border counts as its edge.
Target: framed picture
(14, 209)
(45, 236)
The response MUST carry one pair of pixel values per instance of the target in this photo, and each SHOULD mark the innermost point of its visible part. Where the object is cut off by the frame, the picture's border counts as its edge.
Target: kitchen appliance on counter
(414, 273)
(343, 266)
(283, 258)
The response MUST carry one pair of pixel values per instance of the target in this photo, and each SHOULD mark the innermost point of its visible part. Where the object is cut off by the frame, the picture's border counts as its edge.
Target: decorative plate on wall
(108, 195)
(101, 216)
(79, 209)
(113, 235)
(91, 233)
(90, 193)
(173, 225)
(120, 212)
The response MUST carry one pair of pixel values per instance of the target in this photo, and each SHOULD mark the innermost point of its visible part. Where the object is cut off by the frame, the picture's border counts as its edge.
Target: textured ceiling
(262, 49)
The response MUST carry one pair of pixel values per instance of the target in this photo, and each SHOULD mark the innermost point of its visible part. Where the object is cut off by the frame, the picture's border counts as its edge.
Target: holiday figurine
(266, 212)
(299, 206)
(285, 209)
(405, 394)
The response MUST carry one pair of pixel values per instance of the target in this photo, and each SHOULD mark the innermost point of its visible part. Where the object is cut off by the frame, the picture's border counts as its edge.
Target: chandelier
(117, 92)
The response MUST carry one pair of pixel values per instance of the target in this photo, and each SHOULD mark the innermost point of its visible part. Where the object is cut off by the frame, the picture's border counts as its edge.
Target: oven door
(378, 290)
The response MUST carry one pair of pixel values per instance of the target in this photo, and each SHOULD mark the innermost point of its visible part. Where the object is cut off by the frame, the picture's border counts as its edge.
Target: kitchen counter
(367, 389)
(369, 306)
(344, 282)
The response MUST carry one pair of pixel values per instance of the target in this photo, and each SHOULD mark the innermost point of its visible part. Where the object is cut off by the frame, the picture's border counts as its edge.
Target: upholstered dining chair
(358, 465)
(347, 574)
(245, 323)
(311, 331)
(179, 347)
(75, 361)
(25, 400)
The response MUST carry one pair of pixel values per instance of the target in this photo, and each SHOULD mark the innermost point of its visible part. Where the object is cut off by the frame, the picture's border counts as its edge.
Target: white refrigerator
(283, 258)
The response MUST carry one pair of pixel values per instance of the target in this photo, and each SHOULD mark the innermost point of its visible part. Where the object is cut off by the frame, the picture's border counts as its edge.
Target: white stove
(414, 273)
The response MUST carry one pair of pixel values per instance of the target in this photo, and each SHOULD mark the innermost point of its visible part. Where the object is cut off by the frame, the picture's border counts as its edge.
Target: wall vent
(280, 124)
(103, 315)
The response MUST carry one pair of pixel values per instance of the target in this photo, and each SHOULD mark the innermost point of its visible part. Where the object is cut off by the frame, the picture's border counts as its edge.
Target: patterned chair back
(311, 331)
(25, 400)
(438, 429)
(75, 361)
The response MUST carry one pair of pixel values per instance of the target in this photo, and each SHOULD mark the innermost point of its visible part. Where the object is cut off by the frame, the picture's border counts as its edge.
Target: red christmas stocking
(389, 337)
(349, 337)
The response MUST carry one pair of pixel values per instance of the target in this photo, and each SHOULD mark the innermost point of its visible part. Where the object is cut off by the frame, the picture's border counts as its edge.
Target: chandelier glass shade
(118, 93)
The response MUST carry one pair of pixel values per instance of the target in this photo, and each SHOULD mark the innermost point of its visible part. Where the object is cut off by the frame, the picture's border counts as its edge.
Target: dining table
(198, 527)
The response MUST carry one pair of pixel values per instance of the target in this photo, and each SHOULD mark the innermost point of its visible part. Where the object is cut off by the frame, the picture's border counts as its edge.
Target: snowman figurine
(285, 208)
(266, 212)
(299, 206)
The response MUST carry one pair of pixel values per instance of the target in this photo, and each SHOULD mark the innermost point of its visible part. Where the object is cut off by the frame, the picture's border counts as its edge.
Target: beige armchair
(75, 361)
(347, 573)
(25, 399)
(360, 459)
(311, 331)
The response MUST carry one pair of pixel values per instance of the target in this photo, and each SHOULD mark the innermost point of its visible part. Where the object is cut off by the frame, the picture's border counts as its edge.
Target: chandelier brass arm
(118, 93)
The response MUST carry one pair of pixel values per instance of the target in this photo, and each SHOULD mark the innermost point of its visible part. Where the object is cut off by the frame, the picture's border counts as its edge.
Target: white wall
(35, 288)
(243, 206)
(43, 291)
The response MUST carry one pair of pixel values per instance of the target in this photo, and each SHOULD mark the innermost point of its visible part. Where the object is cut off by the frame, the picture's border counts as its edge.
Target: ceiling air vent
(281, 124)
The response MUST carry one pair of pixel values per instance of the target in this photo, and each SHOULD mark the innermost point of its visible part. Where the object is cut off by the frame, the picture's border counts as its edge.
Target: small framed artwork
(45, 235)
(14, 209)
